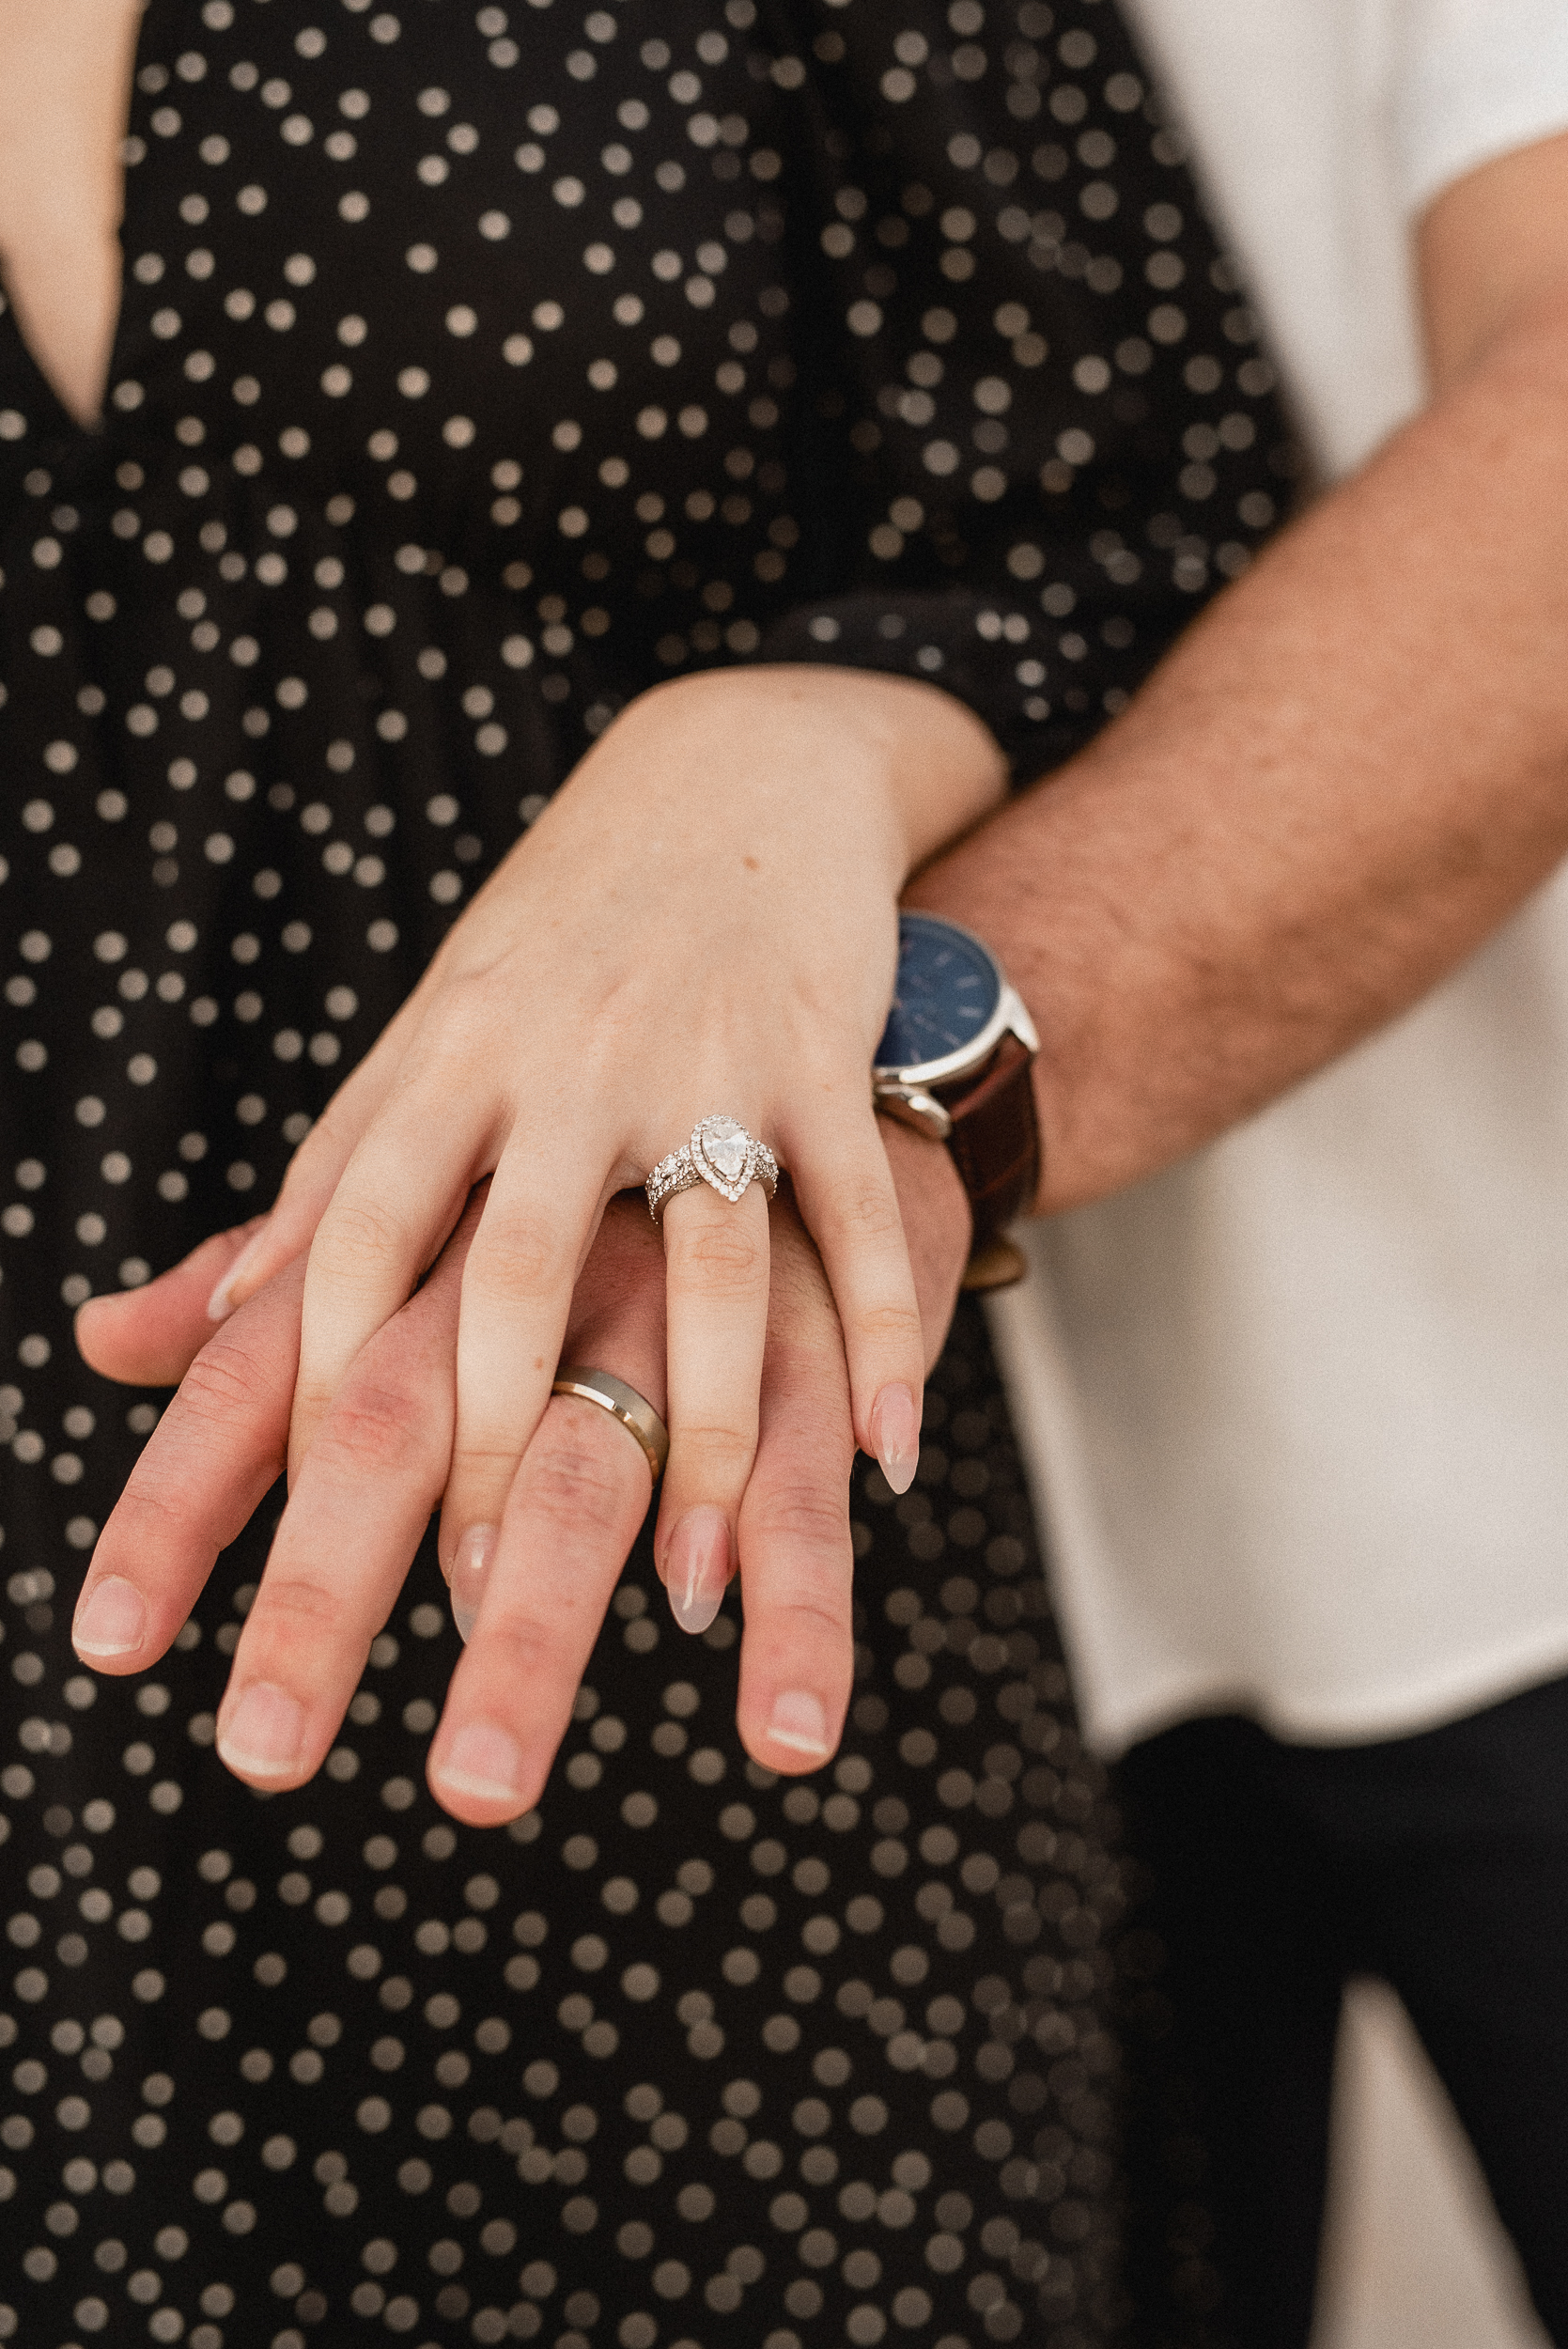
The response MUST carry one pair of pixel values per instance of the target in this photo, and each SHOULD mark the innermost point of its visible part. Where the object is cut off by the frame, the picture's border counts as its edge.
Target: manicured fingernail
(469, 1569)
(110, 1620)
(698, 1567)
(895, 1433)
(799, 1723)
(484, 1762)
(264, 1732)
(221, 1303)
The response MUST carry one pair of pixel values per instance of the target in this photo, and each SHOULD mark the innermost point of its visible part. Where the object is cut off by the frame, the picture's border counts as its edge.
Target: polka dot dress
(477, 371)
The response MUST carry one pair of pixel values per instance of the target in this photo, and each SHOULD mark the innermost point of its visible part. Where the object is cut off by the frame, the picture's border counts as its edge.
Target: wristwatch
(955, 1063)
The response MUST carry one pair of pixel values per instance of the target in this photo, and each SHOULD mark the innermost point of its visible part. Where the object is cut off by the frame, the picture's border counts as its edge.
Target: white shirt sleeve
(1476, 78)
(1321, 129)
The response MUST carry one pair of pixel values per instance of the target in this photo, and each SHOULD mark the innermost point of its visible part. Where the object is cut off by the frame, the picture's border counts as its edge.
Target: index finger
(149, 1337)
(208, 1464)
(361, 1500)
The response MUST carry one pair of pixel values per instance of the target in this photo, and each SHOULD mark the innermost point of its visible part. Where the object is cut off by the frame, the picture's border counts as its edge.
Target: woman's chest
(397, 232)
(64, 69)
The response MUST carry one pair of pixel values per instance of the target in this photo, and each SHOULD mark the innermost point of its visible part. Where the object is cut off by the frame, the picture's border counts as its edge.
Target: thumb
(148, 1337)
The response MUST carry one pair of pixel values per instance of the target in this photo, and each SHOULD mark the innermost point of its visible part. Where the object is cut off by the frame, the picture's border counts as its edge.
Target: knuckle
(525, 1649)
(475, 1456)
(355, 1237)
(289, 1602)
(312, 1399)
(803, 1619)
(893, 1322)
(578, 1486)
(810, 1520)
(707, 1452)
(724, 1257)
(150, 1514)
(517, 1262)
(379, 1428)
(459, 1016)
(864, 1211)
(222, 1384)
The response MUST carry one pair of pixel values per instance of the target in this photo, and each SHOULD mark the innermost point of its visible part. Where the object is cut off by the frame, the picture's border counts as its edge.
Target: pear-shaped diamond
(724, 1146)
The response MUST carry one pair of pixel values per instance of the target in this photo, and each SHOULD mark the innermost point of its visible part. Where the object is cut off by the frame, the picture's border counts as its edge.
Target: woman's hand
(704, 921)
(363, 1497)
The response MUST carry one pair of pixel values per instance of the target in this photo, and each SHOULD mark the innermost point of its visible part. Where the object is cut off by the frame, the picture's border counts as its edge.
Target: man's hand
(365, 1490)
(703, 920)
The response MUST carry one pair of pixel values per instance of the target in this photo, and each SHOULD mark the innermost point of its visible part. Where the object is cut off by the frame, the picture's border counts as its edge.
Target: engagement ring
(721, 1154)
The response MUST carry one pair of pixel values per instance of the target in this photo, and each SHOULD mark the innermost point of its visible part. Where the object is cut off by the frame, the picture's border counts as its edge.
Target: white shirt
(1297, 1411)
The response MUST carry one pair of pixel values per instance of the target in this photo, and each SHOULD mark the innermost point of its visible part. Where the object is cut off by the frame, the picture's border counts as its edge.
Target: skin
(1244, 875)
(65, 83)
(1343, 777)
(599, 996)
(364, 1491)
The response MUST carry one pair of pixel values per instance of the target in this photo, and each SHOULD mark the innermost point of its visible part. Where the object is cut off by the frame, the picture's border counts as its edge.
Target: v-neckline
(63, 417)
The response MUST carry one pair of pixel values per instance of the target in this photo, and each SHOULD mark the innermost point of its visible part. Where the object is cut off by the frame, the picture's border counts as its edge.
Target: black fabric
(473, 375)
(1268, 1875)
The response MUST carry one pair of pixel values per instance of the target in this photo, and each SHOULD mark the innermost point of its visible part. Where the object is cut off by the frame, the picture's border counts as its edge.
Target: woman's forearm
(1345, 775)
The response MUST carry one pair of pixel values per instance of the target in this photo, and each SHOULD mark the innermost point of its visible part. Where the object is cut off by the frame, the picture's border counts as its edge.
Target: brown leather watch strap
(995, 1140)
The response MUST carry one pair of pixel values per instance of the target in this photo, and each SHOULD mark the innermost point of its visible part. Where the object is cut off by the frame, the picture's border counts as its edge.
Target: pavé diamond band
(721, 1153)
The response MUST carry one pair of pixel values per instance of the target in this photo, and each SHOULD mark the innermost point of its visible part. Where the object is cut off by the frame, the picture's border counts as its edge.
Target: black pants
(1270, 1873)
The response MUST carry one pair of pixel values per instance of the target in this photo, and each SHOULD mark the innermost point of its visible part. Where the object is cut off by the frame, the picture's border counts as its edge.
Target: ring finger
(716, 1258)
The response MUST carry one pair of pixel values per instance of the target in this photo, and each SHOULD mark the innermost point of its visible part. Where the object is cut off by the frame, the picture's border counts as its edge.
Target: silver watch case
(906, 1094)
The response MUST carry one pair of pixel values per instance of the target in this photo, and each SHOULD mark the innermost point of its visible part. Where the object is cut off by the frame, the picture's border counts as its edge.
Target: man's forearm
(1345, 776)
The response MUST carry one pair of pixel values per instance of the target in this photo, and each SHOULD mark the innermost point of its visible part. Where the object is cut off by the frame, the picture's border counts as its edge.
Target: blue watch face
(946, 990)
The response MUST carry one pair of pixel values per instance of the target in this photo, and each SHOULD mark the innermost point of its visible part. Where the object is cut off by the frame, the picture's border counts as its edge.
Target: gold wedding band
(622, 1402)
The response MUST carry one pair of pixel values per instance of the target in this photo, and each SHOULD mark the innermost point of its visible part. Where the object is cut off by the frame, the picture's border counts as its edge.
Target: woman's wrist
(935, 766)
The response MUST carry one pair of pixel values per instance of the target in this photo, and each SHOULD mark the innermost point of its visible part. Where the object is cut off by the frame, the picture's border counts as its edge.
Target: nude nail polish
(262, 1735)
(896, 1433)
(698, 1567)
(484, 1762)
(110, 1620)
(799, 1721)
(470, 1567)
(221, 1303)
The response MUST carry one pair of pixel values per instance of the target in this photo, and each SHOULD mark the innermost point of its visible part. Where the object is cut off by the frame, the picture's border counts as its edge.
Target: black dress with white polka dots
(476, 372)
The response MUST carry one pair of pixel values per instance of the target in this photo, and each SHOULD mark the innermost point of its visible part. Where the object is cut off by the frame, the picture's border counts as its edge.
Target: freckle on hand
(751, 863)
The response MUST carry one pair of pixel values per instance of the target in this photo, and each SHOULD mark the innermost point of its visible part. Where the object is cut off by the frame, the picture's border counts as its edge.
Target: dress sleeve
(1037, 427)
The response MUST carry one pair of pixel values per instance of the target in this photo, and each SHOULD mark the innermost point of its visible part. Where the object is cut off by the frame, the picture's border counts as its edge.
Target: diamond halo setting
(721, 1153)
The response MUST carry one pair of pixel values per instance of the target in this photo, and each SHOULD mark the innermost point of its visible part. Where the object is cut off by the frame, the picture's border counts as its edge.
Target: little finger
(845, 1190)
